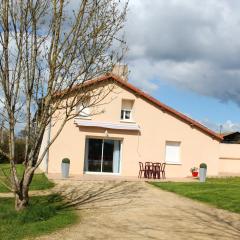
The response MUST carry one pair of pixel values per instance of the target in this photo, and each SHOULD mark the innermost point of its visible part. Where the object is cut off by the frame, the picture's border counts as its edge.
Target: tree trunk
(21, 199)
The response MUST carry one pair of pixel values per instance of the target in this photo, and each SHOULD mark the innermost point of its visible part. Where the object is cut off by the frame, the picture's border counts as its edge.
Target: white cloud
(227, 126)
(194, 44)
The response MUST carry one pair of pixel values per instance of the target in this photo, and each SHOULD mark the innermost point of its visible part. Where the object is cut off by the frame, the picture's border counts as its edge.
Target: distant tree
(2, 131)
(19, 147)
(46, 49)
(4, 147)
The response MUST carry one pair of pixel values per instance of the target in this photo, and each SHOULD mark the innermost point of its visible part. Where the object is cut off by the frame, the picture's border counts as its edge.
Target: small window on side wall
(172, 152)
(126, 110)
(83, 109)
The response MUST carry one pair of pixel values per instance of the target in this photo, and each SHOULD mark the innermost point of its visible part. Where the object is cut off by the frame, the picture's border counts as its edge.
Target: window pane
(122, 114)
(108, 148)
(127, 114)
(116, 156)
(94, 155)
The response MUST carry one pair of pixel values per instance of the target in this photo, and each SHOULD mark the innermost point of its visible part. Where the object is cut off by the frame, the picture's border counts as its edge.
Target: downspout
(48, 141)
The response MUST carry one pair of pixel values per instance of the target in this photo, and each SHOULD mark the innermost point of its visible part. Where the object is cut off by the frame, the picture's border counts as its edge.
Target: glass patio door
(102, 155)
(107, 158)
(94, 160)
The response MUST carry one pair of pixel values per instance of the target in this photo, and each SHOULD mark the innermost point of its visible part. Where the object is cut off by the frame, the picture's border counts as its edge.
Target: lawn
(39, 182)
(220, 192)
(44, 215)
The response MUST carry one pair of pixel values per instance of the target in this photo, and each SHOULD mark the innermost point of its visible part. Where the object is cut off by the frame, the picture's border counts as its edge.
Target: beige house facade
(133, 127)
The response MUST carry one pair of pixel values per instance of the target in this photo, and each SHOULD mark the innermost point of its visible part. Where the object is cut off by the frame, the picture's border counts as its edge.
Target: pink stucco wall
(157, 127)
(229, 159)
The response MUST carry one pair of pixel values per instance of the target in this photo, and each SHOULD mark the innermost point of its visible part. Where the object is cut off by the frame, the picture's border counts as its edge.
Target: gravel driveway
(137, 210)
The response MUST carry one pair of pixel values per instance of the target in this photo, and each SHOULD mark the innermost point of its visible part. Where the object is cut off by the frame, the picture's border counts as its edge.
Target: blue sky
(208, 110)
(186, 54)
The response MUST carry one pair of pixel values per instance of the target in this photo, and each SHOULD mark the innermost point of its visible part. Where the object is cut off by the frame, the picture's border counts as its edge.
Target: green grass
(39, 182)
(220, 192)
(44, 215)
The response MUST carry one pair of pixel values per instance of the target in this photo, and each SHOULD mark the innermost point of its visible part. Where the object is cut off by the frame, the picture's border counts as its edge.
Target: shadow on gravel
(196, 224)
(106, 194)
(226, 227)
(162, 221)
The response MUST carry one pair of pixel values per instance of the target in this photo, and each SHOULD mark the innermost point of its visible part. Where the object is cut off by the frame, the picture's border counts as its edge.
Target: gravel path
(137, 210)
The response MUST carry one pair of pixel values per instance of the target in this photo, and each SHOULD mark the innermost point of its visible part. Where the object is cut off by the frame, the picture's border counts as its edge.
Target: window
(84, 109)
(125, 114)
(102, 155)
(172, 152)
(126, 111)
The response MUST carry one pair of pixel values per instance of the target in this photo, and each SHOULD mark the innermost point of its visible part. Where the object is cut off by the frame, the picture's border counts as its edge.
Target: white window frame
(169, 146)
(124, 115)
(103, 173)
(127, 108)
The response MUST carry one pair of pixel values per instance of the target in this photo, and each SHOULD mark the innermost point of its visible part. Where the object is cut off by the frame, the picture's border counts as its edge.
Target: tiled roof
(147, 97)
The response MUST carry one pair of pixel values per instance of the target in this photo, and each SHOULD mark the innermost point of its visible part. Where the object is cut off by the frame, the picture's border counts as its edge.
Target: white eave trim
(107, 125)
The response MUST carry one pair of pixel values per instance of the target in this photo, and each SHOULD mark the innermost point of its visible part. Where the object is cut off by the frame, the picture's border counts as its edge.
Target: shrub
(203, 165)
(19, 151)
(193, 169)
(4, 149)
(66, 160)
(3, 158)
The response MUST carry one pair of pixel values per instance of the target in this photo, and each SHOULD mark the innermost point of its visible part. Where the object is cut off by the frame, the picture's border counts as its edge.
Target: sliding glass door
(94, 163)
(102, 155)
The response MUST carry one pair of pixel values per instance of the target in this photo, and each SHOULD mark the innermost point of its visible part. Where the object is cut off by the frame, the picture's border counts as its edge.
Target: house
(233, 137)
(134, 127)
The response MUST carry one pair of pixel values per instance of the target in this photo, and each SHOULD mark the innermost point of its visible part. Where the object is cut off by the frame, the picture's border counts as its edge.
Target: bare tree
(2, 130)
(47, 48)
